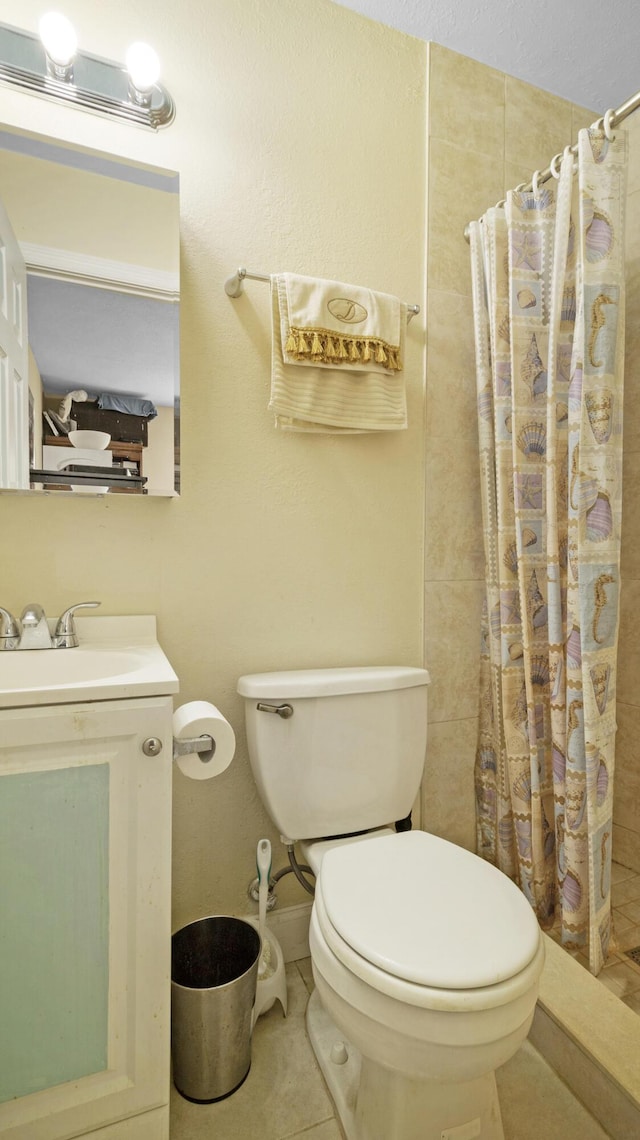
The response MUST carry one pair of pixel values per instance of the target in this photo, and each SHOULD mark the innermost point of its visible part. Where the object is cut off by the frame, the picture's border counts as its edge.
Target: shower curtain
(548, 285)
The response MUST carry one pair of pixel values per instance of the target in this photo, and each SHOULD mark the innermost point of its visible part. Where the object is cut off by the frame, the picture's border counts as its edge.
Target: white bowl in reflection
(97, 440)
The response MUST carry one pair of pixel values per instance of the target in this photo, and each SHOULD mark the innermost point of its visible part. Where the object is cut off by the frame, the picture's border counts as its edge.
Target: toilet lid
(427, 911)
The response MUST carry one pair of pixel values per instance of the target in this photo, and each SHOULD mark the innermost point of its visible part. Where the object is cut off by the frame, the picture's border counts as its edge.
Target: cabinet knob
(152, 746)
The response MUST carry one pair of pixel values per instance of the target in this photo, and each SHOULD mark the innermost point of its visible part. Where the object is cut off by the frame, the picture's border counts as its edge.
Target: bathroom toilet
(426, 959)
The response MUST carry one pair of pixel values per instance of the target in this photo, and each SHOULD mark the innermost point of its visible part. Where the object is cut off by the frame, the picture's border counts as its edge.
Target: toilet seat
(415, 913)
(332, 954)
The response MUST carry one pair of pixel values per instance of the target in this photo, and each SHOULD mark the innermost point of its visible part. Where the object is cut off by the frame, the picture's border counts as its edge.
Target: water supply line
(253, 890)
(298, 869)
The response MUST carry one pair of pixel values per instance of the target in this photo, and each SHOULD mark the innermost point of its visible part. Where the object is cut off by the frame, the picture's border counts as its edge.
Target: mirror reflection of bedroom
(96, 257)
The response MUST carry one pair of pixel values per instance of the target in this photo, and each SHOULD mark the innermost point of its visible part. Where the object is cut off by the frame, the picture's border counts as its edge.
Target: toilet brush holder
(272, 987)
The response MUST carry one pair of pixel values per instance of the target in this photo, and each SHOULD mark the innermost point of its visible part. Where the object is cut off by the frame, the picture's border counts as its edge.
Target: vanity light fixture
(51, 65)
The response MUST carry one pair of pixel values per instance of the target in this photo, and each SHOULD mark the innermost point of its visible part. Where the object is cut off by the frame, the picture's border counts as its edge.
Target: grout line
(306, 1131)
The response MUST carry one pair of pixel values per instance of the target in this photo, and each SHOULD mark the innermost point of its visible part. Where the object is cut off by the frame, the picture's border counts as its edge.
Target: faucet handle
(9, 630)
(65, 636)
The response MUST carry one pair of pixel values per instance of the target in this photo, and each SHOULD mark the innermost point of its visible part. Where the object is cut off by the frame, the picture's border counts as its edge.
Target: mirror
(89, 321)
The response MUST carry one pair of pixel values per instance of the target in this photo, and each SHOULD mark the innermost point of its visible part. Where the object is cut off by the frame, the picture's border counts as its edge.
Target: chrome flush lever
(285, 711)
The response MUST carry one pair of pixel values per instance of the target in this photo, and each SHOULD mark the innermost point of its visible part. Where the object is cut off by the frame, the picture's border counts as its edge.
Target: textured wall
(300, 143)
(487, 133)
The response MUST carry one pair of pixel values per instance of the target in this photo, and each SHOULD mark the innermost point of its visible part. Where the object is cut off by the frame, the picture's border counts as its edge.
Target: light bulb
(143, 66)
(59, 38)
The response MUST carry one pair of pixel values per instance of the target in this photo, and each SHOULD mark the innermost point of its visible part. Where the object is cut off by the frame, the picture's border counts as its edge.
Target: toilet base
(374, 1103)
(342, 1080)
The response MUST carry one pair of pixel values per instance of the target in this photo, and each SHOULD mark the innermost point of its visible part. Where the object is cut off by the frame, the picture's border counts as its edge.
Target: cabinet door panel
(54, 896)
(85, 926)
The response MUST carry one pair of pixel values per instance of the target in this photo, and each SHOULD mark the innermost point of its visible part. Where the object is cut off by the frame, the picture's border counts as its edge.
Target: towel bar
(234, 287)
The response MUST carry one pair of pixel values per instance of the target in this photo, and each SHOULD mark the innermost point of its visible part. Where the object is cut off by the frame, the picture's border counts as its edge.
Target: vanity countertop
(118, 657)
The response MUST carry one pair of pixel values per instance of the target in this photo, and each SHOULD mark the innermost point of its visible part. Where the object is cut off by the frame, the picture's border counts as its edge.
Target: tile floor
(621, 974)
(285, 1098)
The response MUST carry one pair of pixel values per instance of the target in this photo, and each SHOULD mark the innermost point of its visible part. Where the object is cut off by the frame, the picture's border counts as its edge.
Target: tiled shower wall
(626, 807)
(487, 132)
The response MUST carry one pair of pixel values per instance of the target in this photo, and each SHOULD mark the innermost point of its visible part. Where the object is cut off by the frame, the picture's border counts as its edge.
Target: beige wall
(487, 133)
(51, 204)
(299, 141)
(626, 806)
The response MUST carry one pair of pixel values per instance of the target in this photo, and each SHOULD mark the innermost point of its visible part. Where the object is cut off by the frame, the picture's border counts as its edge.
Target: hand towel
(336, 357)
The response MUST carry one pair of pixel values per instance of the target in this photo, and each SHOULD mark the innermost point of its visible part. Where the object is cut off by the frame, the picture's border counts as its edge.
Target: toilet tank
(348, 757)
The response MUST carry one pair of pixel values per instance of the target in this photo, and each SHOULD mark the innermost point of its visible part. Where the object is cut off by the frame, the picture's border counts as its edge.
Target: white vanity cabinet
(85, 845)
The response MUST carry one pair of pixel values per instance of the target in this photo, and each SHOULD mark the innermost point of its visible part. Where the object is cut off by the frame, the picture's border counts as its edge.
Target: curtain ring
(607, 124)
(534, 183)
(553, 165)
(501, 203)
(597, 126)
(521, 186)
(568, 150)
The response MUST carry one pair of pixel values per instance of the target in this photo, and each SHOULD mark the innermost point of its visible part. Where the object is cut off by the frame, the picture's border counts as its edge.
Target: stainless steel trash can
(214, 971)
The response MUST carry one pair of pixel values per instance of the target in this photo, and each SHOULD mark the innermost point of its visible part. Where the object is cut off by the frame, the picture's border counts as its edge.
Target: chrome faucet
(32, 631)
(35, 630)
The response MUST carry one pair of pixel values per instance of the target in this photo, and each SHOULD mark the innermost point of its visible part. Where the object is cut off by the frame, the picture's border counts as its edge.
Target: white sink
(116, 657)
(37, 667)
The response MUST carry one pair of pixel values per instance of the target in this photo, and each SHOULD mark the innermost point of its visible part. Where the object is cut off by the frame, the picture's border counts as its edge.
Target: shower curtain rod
(233, 286)
(613, 117)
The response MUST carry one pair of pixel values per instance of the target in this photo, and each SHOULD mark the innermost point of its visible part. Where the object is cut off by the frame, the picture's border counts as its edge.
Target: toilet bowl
(432, 999)
(426, 959)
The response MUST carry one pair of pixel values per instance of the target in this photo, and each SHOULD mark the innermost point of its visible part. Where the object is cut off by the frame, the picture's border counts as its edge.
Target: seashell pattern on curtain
(548, 286)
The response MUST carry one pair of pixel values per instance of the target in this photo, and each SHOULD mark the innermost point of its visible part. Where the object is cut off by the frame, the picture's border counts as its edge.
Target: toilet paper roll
(200, 718)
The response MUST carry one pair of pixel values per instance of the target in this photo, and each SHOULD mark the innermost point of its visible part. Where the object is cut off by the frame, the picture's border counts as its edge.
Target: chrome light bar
(92, 83)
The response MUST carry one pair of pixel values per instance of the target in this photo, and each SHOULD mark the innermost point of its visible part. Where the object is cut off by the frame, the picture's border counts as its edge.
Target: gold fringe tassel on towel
(325, 347)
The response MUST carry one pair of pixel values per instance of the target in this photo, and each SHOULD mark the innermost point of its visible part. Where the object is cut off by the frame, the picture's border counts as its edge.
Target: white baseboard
(291, 927)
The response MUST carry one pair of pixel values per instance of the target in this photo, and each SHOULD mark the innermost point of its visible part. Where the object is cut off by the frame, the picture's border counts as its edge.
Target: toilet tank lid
(330, 682)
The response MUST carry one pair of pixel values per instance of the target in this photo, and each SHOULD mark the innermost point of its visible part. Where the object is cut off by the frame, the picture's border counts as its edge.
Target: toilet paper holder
(201, 744)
